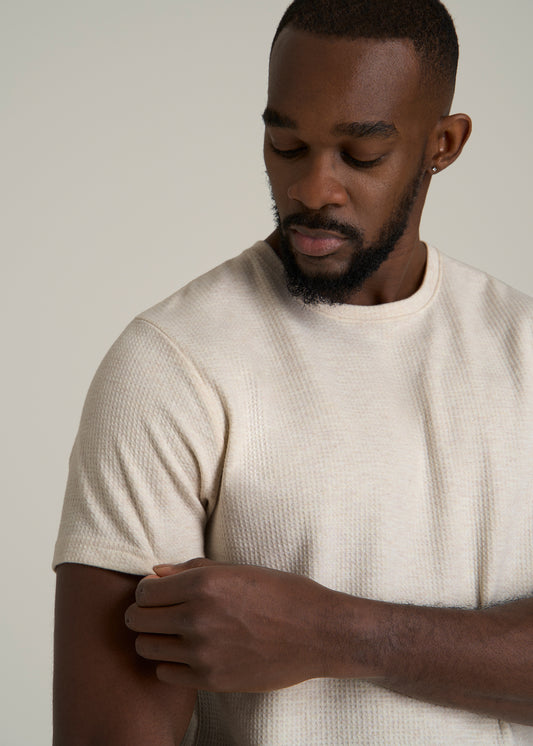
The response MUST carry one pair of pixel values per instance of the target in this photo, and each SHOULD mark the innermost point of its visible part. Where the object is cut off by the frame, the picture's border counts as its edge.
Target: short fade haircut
(426, 23)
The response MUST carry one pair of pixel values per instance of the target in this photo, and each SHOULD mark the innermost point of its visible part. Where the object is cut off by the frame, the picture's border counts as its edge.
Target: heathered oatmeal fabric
(384, 451)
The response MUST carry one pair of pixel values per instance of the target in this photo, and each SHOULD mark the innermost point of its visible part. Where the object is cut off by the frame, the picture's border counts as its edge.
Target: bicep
(103, 691)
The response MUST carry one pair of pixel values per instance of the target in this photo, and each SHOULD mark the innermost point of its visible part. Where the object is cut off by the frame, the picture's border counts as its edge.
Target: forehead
(326, 79)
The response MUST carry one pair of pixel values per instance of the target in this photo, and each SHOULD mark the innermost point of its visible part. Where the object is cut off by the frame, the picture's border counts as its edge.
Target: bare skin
(236, 628)
(318, 86)
(104, 693)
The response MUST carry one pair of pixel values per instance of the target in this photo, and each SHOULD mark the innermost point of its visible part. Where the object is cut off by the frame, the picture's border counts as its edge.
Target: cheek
(268, 159)
(269, 165)
(277, 188)
(376, 192)
(278, 173)
(369, 198)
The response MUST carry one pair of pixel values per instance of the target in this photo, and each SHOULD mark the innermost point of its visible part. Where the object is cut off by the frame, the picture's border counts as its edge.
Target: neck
(397, 278)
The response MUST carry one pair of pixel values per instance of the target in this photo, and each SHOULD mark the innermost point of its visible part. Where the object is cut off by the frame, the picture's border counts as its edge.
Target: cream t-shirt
(384, 451)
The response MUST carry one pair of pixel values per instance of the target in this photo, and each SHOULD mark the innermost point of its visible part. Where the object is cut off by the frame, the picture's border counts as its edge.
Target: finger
(166, 648)
(171, 589)
(164, 570)
(168, 591)
(177, 674)
(163, 620)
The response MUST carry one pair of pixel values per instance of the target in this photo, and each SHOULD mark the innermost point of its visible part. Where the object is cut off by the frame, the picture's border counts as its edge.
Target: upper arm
(145, 466)
(104, 693)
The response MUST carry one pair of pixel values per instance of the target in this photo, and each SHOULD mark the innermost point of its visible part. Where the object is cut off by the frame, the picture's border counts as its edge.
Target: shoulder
(202, 327)
(488, 324)
(245, 282)
(478, 294)
(215, 316)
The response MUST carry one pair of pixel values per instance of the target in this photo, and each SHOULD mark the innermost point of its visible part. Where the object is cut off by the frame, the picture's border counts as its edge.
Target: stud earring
(435, 170)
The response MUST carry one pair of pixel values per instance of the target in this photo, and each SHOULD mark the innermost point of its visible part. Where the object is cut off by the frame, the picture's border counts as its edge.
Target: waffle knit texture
(384, 451)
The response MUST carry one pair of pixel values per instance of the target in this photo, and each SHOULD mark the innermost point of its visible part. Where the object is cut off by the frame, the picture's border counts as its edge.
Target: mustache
(316, 221)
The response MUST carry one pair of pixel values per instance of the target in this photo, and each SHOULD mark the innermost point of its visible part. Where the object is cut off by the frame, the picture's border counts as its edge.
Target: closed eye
(292, 153)
(355, 163)
(347, 158)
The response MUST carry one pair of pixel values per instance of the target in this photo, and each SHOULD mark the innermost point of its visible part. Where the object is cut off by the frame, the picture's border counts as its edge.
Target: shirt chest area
(385, 482)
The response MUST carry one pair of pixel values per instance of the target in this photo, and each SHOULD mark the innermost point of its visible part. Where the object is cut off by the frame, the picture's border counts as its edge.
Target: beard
(365, 259)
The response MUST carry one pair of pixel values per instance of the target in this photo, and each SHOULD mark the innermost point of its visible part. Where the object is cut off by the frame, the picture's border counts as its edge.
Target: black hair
(426, 23)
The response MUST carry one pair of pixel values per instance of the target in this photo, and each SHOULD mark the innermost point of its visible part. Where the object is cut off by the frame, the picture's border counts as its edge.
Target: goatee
(365, 259)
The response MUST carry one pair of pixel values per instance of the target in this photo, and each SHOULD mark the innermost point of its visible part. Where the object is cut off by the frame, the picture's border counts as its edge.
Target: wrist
(352, 637)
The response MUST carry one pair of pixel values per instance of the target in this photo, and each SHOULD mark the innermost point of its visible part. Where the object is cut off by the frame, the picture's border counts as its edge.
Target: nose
(317, 185)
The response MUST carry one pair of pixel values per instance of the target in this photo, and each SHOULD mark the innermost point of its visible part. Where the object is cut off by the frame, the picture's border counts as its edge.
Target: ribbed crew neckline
(348, 312)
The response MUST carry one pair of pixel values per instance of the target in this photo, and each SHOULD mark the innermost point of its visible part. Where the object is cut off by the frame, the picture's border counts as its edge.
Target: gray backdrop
(131, 163)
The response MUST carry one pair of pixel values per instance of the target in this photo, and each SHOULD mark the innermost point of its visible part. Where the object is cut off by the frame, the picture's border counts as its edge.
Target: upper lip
(316, 232)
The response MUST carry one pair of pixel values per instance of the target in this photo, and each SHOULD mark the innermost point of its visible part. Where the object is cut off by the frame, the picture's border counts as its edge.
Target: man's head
(425, 23)
(356, 121)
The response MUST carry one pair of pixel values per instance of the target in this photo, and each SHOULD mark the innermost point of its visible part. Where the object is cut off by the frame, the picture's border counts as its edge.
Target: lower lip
(315, 246)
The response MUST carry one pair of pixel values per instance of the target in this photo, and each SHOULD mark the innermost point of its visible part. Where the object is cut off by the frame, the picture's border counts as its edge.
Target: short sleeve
(145, 467)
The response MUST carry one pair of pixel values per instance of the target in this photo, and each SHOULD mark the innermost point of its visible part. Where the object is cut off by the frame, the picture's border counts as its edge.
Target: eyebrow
(366, 129)
(380, 128)
(273, 118)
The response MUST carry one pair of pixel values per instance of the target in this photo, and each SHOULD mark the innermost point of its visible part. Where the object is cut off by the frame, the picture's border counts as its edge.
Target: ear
(449, 138)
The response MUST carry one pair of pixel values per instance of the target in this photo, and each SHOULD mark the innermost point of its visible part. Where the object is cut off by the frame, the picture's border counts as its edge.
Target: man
(337, 423)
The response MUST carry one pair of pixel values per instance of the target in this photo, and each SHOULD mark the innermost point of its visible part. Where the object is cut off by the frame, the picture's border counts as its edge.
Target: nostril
(315, 194)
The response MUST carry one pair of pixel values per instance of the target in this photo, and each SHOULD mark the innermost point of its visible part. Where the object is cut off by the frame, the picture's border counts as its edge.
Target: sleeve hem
(110, 558)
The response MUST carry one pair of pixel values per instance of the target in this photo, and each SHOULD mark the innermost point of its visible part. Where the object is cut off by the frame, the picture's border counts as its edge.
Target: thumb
(163, 571)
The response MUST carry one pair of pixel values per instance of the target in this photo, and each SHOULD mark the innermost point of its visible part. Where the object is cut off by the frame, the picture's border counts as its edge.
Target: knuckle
(183, 621)
(196, 562)
(204, 661)
(205, 669)
(197, 621)
(206, 584)
(178, 619)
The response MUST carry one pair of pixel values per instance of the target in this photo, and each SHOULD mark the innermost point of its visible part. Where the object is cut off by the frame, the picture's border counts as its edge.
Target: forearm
(481, 661)
(240, 628)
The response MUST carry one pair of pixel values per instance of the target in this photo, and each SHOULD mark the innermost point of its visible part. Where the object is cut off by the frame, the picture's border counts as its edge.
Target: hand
(235, 628)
